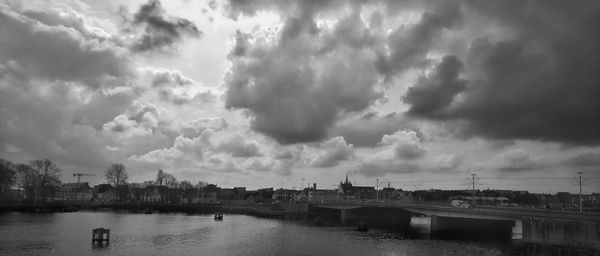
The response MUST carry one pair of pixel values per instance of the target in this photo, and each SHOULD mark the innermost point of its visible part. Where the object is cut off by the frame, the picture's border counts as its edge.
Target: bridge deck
(489, 212)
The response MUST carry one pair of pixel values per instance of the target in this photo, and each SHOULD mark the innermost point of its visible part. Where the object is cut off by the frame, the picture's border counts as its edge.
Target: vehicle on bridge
(460, 204)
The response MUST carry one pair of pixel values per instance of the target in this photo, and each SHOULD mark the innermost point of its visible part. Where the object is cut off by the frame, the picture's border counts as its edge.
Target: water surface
(180, 234)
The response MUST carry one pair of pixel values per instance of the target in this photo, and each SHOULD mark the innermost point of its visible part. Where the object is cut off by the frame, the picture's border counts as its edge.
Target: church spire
(346, 178)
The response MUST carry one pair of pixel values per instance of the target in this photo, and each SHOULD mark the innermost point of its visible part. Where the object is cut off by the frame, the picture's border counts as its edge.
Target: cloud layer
(278, 91)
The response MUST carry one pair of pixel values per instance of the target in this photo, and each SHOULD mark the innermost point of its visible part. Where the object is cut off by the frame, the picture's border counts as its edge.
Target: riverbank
(293, 211)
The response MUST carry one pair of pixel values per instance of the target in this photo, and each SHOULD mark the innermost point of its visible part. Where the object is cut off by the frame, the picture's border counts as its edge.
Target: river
(180, 234)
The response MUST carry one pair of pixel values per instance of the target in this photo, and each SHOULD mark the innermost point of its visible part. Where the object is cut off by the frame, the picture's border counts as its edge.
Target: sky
(285, 93)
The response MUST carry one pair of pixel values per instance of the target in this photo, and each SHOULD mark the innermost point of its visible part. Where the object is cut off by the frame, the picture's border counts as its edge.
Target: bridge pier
(454, 227)
(378, 217)
(553, 236)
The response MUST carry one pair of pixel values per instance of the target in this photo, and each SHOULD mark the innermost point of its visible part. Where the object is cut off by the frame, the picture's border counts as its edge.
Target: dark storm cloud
(432, 94)
(530, 70)
(409, 45)
(409, 151)
(297, 89)
(539, 80)
(241, 44)
(34, 49)
(518, 160)
(294, 92)
(161, 31)
(38, 127)
(584, 159)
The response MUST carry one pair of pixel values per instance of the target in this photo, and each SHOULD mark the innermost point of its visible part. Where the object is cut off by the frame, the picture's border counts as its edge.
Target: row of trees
(43, 173)
(116, 175)
(168, 180)
(37, 173)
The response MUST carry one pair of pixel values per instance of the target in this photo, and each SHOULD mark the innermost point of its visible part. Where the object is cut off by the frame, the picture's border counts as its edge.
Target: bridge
(554, 228)
(480, 212)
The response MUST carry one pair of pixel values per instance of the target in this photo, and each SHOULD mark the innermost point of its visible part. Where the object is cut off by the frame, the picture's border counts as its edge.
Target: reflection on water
(423, 226)
(178, 234)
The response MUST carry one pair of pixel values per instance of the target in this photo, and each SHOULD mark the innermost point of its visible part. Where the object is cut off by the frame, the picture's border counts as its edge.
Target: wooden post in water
(98, 236)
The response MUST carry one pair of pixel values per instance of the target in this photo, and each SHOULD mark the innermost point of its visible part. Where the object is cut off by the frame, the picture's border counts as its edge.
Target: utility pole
(473, 183)
(580, 197)
(377, 190)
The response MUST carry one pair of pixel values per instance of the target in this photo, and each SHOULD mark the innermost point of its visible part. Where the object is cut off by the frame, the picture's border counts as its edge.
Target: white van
(460, 204)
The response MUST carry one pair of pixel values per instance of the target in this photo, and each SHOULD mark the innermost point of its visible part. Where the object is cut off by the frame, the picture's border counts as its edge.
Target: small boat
(219, 216)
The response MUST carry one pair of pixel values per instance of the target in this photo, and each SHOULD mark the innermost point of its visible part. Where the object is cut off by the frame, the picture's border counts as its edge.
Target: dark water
(178, 234)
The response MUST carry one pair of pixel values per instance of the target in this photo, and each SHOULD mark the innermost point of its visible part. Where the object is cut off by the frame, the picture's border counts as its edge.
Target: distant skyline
(273, 93)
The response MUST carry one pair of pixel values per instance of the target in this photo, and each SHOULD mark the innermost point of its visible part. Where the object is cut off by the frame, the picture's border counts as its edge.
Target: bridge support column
(343, 215)
(451, 227)
(551, 235)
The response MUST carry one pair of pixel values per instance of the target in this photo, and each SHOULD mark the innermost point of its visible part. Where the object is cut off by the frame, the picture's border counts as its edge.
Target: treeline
(45, 173)
(36, 173)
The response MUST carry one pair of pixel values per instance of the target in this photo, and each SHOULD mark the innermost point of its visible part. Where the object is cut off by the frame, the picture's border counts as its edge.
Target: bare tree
(26, 176)
(116, 174)
(8, 175)
(170, 180)
(47, 172)
(186, 184)
(201, 184)
(160, 176)
(29, 179)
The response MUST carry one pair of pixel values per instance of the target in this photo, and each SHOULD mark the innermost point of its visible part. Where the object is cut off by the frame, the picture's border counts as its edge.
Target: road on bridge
(492, 212)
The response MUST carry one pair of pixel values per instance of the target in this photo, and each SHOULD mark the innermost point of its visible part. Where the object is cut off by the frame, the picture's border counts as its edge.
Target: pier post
(100, 235)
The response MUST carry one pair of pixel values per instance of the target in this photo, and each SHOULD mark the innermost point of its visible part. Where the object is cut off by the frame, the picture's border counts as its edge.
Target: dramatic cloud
(161, 31)
(396, 154)
(186, 152)
(53, 51)
(61, 79)
(536, 80)
(406, 145)
(434, 93)
(584, 159)
(295, 91)
(367, 130)
(518, 160)
(172, 86)
(335, 151)
(409, 46)
(237, 146)
(281, 90)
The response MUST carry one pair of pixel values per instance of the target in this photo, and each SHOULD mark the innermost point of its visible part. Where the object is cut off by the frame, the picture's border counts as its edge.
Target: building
(347, 191)
(76, 192)
(153, 195)
(395, 195)
(283, 195)
(209, 194)
(322, 195)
